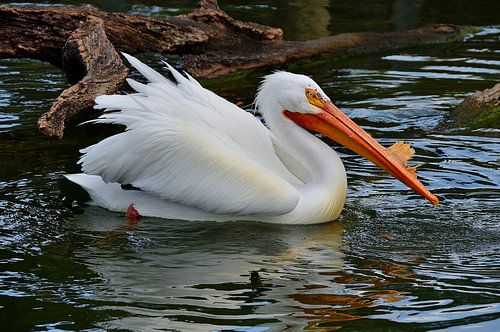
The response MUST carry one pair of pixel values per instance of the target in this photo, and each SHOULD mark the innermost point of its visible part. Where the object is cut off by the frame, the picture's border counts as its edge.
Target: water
(391, 262)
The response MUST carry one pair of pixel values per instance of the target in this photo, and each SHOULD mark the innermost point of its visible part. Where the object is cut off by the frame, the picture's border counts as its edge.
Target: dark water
(392, 261)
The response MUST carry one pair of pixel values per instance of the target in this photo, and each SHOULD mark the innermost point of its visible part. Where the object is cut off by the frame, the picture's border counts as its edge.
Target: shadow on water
(390, 262)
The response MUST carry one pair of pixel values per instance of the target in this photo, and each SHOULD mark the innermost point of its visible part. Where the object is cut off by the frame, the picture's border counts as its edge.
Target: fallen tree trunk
(84, 42)
(41, 32)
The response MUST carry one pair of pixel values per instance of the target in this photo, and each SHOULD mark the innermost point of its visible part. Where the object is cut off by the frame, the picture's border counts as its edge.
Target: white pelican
(190, 154)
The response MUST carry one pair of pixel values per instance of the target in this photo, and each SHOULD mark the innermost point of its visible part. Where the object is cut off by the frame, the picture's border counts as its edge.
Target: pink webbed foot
(132, 215)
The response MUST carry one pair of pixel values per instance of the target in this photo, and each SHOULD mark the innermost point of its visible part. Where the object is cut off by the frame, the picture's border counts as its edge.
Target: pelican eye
(310, 93)
(314, 98)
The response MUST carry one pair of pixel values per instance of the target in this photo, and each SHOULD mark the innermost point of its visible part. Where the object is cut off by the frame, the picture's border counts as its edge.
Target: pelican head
(300, 100)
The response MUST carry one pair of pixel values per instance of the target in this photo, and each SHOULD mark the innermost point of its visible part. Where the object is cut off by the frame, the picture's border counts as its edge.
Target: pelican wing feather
(185, 144)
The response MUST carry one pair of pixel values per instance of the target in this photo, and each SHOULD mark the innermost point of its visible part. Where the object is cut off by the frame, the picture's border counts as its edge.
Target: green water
(392, 261)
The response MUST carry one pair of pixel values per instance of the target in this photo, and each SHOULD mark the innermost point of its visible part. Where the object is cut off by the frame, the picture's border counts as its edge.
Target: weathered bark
(480, 110)
(41, 32)
(97, 73)
(209, 41)
(224, 58)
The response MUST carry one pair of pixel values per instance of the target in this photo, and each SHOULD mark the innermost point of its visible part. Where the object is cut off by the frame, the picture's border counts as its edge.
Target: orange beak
(334, 124)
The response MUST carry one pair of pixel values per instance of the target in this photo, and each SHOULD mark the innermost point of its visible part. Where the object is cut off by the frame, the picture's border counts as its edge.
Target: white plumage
(196, 156)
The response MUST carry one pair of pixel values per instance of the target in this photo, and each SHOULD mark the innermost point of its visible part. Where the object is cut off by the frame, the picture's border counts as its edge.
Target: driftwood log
(85, 42)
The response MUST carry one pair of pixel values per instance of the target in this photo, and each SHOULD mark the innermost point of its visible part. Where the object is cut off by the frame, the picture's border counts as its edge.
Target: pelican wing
(185, 144)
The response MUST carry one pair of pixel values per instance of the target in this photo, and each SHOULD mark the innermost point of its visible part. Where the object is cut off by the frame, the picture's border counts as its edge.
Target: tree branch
(92, 61)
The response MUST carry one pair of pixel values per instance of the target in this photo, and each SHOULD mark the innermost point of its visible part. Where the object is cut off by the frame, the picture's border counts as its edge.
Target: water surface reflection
(185, 272)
